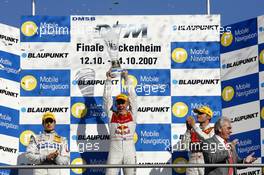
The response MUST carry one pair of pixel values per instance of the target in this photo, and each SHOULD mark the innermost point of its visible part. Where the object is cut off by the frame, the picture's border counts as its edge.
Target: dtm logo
(262, 113)
(79, 110)
(226, 39)
(179, 55)
(78, 161)
(29, 28)
(228, 93)
(261, 57)
(180, 160)
(29, 83)
(25, 137)
(127, 30)
(180, 109)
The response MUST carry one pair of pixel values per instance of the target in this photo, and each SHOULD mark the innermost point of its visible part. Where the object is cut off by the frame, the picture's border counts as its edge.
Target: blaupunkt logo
(29, 83)
(180, 109)
(226, 39)
(179, 55)
(228, 93)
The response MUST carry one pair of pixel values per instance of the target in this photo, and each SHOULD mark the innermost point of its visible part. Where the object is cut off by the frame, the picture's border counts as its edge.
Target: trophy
(111, 38)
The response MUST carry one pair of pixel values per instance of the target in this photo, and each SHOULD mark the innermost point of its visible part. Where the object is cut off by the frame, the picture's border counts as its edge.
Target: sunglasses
(48, 120)
(200, 113)
(119, 102)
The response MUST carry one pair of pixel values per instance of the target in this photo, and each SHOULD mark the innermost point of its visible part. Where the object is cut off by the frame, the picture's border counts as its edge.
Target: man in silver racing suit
(122, 125)
(48, 148)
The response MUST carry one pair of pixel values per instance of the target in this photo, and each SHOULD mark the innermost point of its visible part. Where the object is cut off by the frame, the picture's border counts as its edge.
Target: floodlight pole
(33, 8)
(208, 7)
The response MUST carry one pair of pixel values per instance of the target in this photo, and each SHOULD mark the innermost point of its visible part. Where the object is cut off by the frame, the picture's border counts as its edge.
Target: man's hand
(250, 158)
(124, 74)
(190, 122)
(233, 144)
(52, 155)
(108, 75)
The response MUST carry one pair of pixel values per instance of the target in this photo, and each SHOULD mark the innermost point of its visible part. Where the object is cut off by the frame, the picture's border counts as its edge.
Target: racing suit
(43, 144)
(193, 138)
(122, 128)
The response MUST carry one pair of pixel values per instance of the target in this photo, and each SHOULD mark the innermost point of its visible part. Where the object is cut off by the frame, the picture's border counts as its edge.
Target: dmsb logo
(45, 29)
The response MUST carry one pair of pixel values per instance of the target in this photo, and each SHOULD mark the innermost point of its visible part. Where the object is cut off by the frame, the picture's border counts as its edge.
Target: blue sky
(231, 11)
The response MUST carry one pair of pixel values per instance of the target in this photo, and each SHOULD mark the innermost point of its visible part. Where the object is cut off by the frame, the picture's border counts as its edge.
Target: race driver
(48, 148)
(194, 136)
(122, 125)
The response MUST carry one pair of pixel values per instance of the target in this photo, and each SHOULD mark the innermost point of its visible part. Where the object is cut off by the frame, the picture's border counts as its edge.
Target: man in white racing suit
(194, 136)
(122, 125)
(48, 148)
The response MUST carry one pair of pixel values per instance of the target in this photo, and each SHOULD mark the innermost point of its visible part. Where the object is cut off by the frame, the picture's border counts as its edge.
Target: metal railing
(127, 166)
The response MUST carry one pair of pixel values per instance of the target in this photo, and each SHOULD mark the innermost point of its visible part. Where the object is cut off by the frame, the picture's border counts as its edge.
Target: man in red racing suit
(122, 125)
(195, 135)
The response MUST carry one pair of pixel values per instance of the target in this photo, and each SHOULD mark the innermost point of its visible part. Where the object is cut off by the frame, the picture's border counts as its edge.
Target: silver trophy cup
(111, 38)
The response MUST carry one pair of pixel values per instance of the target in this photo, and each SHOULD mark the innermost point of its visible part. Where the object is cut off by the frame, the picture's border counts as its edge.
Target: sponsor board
(8, 149)
(195, 55)
(248, 144)
(153, 137)
(182, 107)
(9, 93)
(154, 82)
(243, 117)
(9, 66)
(239, 63)
(240, 90)
(242, 34)
(33, 108)
(48, 56)
(154, 109)
(90, 138)
(177, 134)
(9, 121)
(87, 82)
(195, 82)
(195, 28)
(9, 39)
(45, 29)
(149, 158)
(45, 83)
(88, 110)
(88, 158)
